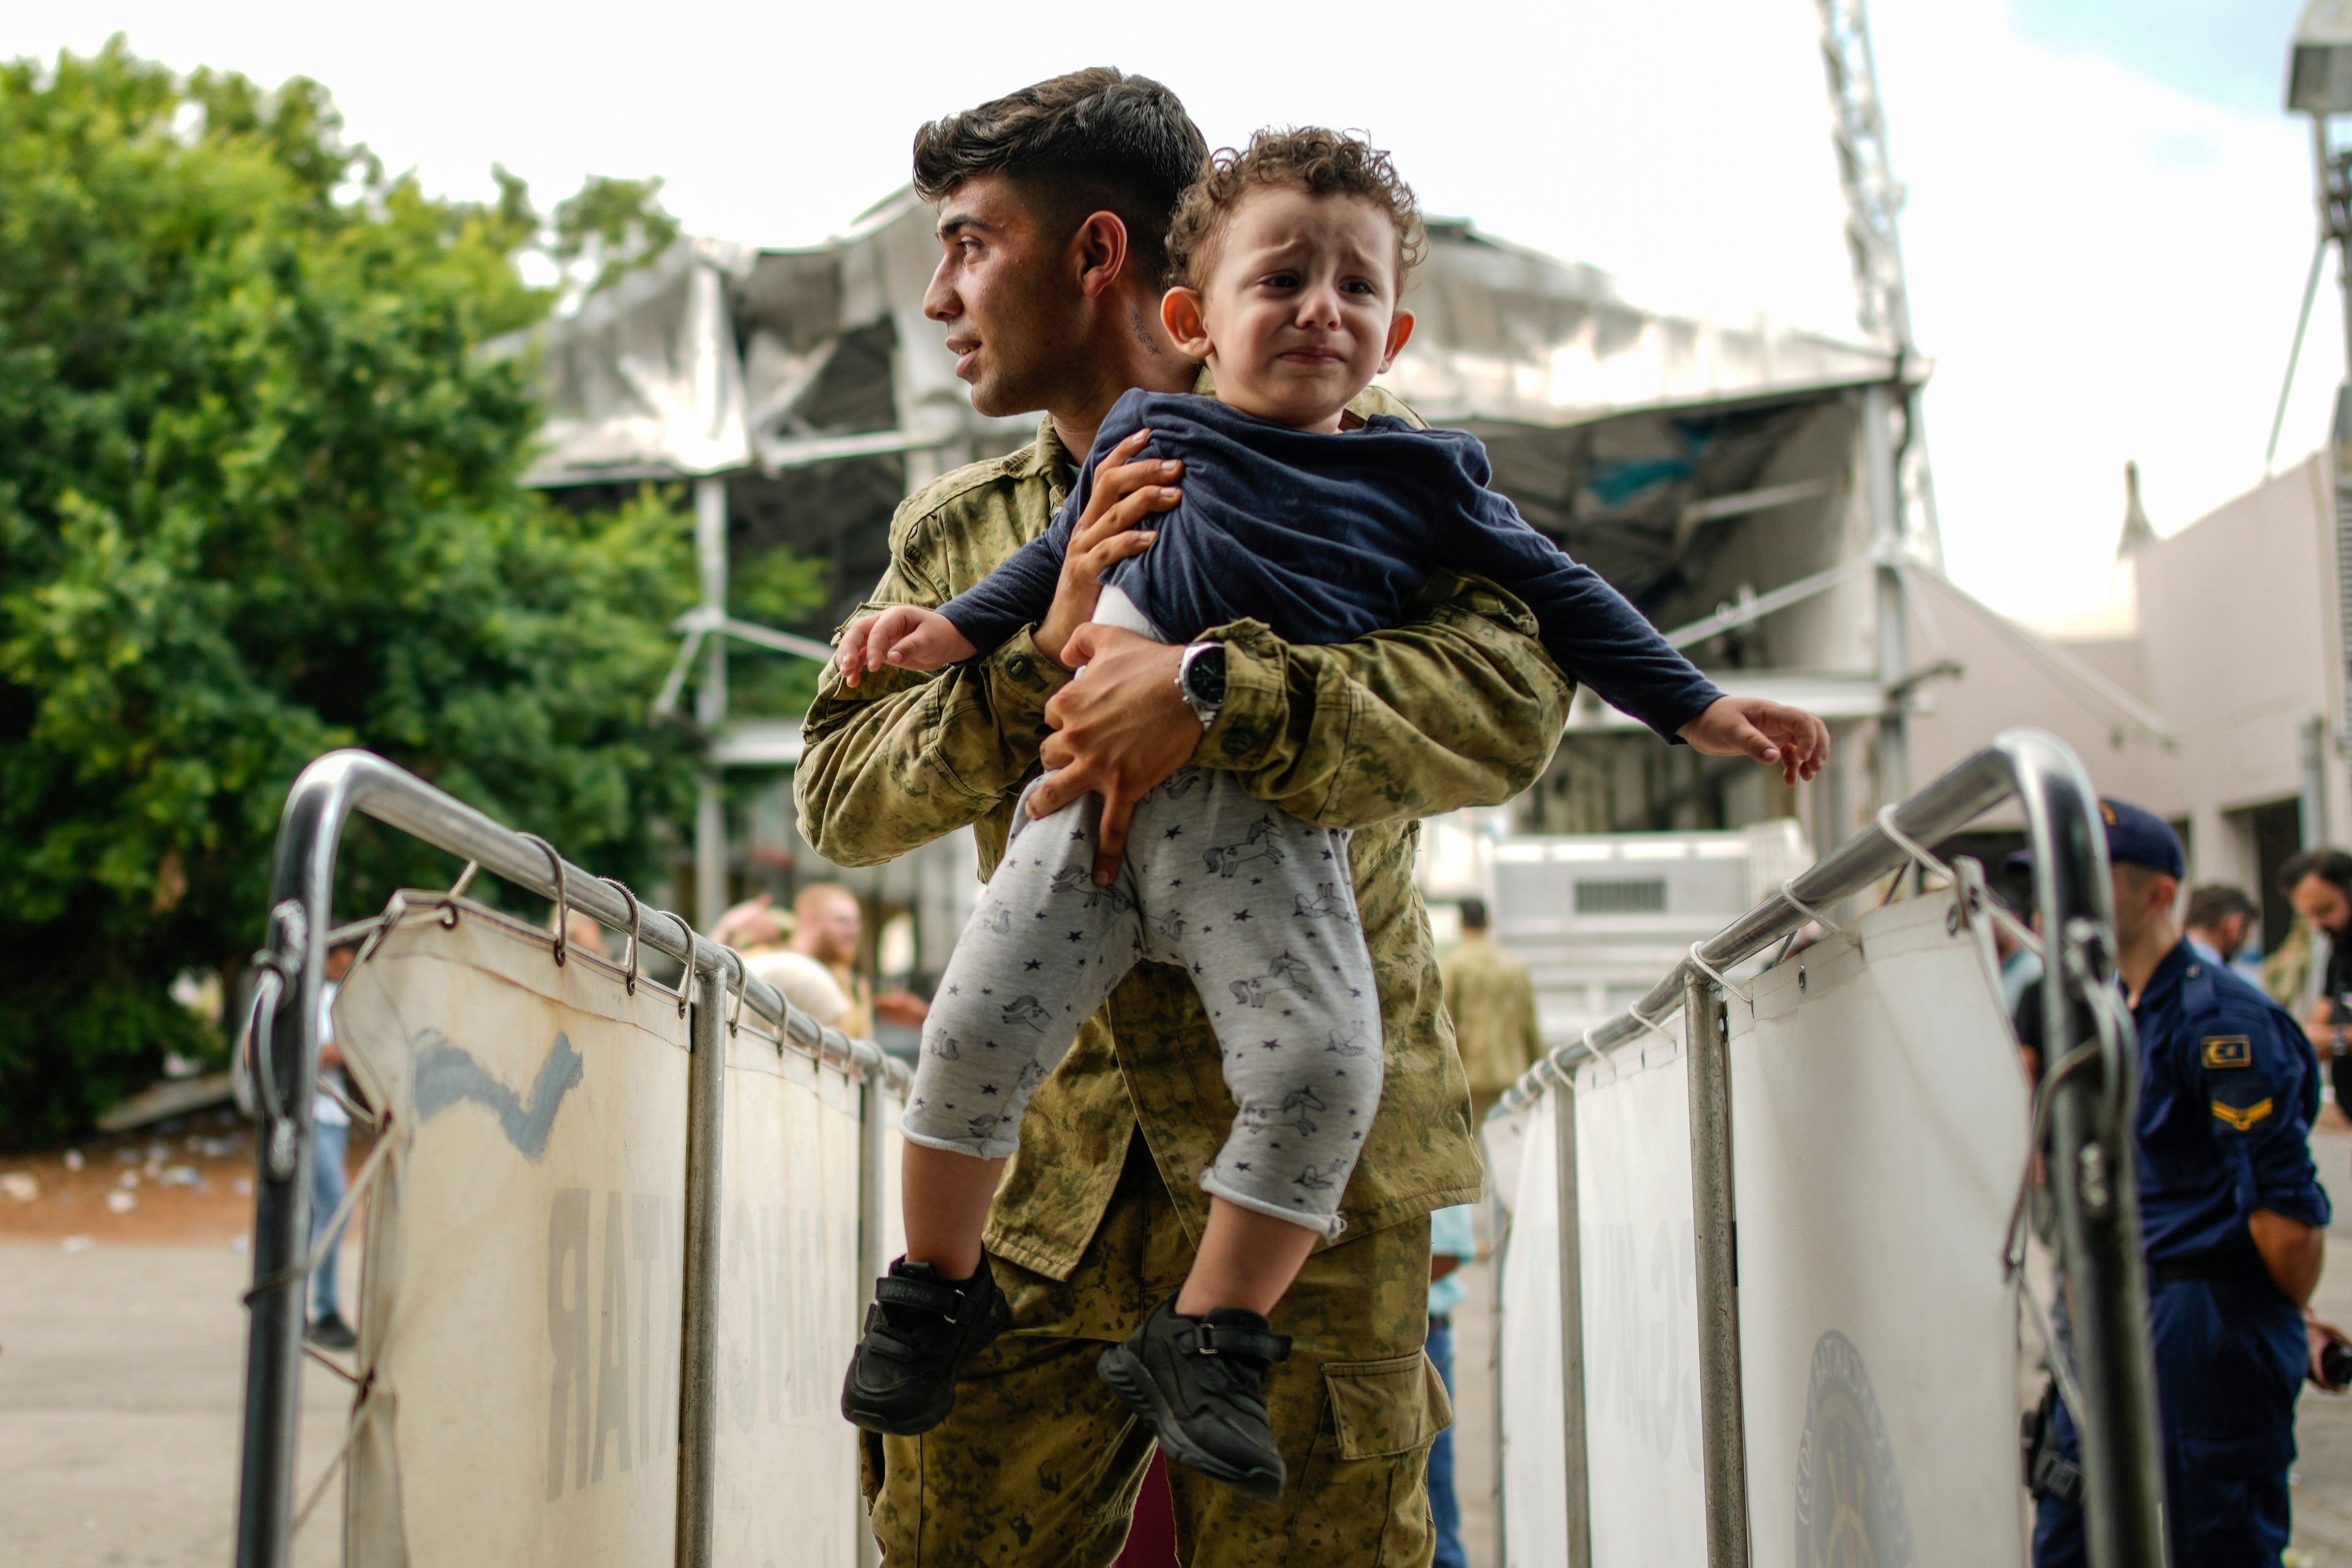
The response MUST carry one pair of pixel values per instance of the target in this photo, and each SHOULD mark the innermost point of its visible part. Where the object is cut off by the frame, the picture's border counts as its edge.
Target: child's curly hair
(1327, 163)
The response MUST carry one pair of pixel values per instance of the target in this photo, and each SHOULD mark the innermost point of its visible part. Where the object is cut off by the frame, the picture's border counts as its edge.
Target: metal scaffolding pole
(710, 703)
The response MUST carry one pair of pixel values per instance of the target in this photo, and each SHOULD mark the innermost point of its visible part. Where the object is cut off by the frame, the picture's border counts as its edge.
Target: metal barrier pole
(1571, 1330)
(697, 1415)
(284, 1084)
(2092, 1155)
(1723, 1434)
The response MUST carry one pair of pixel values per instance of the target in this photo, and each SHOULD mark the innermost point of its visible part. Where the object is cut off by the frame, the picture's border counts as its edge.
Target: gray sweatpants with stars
(1258, 905)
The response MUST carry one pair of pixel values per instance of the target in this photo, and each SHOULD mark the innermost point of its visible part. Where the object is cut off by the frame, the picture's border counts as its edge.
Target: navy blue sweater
(1325, 538)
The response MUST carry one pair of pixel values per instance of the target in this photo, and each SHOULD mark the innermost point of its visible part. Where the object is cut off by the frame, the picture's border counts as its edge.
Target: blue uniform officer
(2233, 1217)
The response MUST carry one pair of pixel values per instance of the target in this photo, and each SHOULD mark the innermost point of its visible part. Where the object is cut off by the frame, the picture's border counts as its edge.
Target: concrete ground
(121, 1370)
(2323, 1474)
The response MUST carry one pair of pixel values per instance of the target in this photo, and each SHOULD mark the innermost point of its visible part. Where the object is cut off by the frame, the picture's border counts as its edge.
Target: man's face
(2323, 903)
(828, 929)
(2228, 934)
(1301, 306)
(1007, 291)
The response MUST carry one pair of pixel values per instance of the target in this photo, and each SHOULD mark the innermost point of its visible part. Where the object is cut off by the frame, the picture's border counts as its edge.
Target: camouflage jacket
(1460, 707)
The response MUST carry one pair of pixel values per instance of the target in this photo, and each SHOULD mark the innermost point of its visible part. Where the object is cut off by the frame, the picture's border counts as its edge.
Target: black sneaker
(331, 1333)
(1197, 1381)
(919, 1331)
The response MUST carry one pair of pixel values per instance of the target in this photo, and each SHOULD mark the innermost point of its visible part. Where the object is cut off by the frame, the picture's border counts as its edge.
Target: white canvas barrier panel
(1879, 1132)
(1534, 1518)
(521, 1314)
(1641, 1307)
(1879, 1123)
(1641, 1318)
(789, 1296)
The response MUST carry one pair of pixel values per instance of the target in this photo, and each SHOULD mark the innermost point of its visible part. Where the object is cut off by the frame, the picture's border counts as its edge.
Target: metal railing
(320, 804)
(2082, 1110)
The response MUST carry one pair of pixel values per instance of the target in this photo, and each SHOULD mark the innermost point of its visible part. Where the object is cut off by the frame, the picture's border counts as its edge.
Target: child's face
(1300, 311)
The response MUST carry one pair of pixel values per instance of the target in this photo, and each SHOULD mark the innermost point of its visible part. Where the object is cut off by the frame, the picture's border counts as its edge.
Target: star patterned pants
(1258, 905)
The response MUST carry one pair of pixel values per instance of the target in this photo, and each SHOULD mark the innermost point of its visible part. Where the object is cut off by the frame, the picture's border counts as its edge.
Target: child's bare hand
(905, 637)
(1773, 733)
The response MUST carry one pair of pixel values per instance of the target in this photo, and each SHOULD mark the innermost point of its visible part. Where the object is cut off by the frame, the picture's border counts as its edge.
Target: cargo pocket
(1385, 1407)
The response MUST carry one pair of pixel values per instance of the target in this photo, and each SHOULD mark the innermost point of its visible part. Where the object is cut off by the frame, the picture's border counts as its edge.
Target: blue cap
(2136, 836)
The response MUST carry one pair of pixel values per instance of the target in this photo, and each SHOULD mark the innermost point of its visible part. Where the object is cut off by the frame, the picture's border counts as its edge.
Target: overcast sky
(2109, 223)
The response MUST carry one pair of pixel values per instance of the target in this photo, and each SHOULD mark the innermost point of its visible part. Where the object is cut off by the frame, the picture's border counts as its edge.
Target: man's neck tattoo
(1143, 332)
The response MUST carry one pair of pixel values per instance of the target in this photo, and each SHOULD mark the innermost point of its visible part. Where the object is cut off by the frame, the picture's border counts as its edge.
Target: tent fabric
(720, 357)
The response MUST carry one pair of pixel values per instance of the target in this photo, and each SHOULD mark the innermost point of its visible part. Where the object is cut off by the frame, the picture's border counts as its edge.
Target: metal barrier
(321, 802)
(2082, 1121)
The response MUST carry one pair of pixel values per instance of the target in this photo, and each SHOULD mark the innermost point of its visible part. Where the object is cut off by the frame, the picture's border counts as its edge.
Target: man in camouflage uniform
(1491, 1001)
(1053, 204)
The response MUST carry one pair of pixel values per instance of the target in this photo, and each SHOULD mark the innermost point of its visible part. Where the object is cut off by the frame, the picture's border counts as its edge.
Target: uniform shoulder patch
(2229, 1051)
(2244, 1117)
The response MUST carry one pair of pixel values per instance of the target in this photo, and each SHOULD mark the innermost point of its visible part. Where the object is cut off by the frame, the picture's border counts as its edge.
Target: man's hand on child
(904, 636)
(1126, 492)
(1772, 732)
(1119, 729)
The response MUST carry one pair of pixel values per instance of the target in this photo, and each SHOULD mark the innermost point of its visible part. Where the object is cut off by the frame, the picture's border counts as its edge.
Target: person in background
(759, 931)
(2220, 916)
(2233, 1222)
(1452, 1242)
(2318, 883)
(811, 956)
(330, 1134)
(827, 925)
(1493, 1005)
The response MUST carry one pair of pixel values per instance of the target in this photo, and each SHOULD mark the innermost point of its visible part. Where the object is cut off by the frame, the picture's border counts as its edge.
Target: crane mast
(1895, 443)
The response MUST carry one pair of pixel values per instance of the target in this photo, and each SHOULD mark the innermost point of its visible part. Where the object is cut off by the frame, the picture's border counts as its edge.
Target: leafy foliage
(259, 497)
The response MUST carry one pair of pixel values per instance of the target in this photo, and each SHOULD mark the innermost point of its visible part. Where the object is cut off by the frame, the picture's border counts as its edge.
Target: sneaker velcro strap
(895, 1290)
(1210, 1338)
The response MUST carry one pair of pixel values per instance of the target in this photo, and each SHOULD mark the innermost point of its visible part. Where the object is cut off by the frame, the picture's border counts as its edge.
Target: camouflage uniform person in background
(1099, 1213)
(1492, 1004)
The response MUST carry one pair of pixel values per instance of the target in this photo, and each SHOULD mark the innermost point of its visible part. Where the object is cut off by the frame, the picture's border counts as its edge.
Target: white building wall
(2236, 645)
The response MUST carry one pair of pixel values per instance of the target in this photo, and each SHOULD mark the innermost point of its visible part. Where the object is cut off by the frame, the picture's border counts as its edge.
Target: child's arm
(1052, 582)
(1018, 592)
(1598, 638)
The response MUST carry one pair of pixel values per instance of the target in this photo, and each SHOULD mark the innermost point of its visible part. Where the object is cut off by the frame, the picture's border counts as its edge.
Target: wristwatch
(1200, 677)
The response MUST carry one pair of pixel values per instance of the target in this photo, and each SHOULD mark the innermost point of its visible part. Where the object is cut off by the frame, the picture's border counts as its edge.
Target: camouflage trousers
(1039, 1466)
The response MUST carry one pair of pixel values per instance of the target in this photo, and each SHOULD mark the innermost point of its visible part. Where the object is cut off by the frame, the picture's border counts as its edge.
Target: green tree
(260, 497)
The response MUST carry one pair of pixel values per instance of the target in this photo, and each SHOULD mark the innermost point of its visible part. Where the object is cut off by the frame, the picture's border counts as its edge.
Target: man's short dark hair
(2330, 865)
(2211, 904)
(1473, 914)
(1093, 140)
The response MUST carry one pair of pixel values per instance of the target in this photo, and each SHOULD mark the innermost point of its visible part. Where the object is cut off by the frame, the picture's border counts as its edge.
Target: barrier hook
(636, 925)
(563, 911)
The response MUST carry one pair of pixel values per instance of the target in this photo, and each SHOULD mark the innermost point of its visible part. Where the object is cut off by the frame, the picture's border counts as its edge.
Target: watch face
(1204, 676)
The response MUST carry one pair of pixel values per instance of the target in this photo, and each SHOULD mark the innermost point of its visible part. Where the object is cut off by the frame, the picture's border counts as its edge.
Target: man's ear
(1400, 329)
(1098, 251)
(1180, 313)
